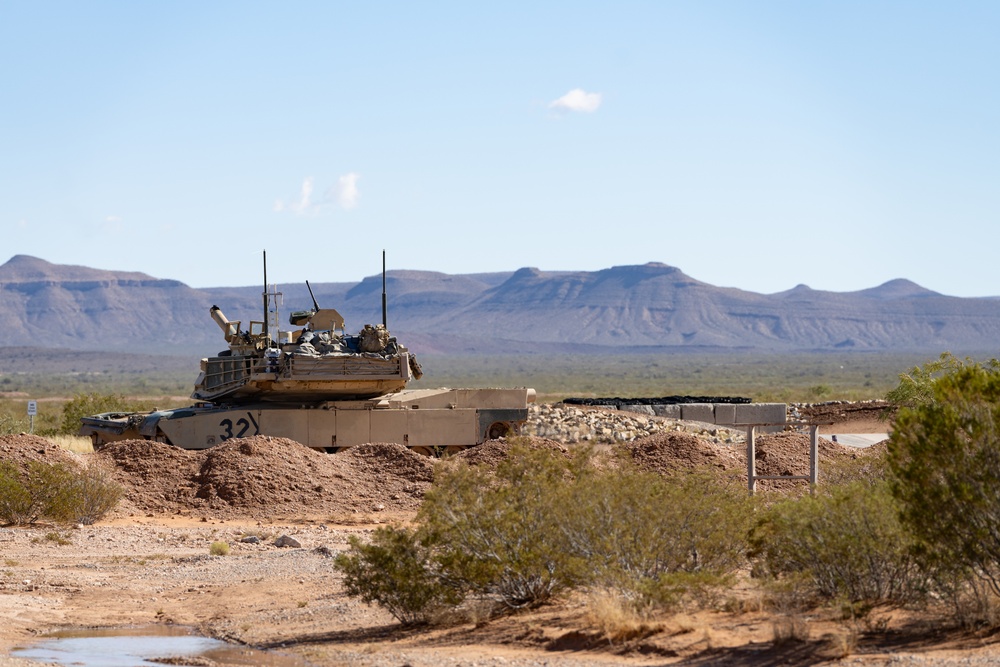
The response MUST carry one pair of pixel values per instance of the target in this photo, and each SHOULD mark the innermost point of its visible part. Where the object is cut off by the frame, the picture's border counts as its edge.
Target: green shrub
(11, 425)
(396, 571)
(498, 535)
(16, 504)
(945, 459)
(90, 494)
(847, 542)
(219, 549)
(41, 490)
(655, 538)
(544, 522)
(55, 491)
(86, 404)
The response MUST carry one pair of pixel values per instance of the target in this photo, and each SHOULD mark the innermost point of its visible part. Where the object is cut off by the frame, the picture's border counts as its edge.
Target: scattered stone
(250, 539)
(286, 541)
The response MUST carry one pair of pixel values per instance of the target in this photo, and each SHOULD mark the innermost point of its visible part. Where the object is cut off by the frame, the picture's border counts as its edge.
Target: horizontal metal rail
(752, 476)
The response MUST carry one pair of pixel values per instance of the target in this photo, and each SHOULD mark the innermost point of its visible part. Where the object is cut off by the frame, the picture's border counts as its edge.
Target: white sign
(32, 408)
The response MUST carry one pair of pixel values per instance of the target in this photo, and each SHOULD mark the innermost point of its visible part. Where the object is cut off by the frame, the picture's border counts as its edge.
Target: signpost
(32, 411)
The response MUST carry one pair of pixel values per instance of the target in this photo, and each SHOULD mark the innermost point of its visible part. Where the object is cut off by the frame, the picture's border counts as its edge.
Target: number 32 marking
(243, 425)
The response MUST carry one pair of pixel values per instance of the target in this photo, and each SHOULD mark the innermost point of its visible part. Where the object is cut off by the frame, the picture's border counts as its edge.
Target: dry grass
(792, 628)
(617, 617)
(839, 645)
(72, 443)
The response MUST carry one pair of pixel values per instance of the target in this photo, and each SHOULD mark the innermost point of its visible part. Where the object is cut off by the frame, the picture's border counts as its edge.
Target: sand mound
(788, 453)
(23, 448)
(381, 458)
(262, 472)
(669, 452)
(492, 452)
(265, 476)
(157, 477)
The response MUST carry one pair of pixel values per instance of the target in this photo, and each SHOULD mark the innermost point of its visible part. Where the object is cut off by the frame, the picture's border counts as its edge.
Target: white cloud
(22, 223)
(346, 191)
(304, 203)
(577, 100)
(113, 218)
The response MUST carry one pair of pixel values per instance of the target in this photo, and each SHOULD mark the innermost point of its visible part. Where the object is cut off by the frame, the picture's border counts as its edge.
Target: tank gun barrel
(315, 305)
(228, 328)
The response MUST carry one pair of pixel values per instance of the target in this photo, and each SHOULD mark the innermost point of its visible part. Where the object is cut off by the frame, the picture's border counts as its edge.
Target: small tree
(917, 387)
(944, 454)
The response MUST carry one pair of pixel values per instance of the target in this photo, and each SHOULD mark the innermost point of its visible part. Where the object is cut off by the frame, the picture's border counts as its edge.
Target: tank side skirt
(337, 427)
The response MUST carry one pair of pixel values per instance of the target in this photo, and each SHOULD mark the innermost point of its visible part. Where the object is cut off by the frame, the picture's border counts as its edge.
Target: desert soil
(149, 563)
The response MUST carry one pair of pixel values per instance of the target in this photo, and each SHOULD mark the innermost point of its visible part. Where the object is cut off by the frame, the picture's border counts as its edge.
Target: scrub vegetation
(911, 525)
(56, 492)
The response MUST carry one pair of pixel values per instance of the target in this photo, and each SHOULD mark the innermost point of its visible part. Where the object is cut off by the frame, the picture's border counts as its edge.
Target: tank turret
(315, 361)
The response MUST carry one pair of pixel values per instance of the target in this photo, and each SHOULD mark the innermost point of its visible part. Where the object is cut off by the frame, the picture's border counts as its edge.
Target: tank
(320, 386)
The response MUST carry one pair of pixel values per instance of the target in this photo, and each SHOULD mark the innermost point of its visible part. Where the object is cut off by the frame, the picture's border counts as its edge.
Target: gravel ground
(150, 563)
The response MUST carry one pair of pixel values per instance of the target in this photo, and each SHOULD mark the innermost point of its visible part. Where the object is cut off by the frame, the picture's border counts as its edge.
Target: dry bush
(972, 601)
(617, 617)
(90, 495)
(39, 490)
(839, 645)
(497, 534)
(870, 466)
(787, 629)
(543, 522)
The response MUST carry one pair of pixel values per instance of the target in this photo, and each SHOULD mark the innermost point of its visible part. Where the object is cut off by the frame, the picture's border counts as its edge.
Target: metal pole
(265, 294)
(813, 456)
(751, 459)
(385, 324)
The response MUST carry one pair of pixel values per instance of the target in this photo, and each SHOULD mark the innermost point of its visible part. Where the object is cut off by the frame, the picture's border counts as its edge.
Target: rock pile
(573, 424)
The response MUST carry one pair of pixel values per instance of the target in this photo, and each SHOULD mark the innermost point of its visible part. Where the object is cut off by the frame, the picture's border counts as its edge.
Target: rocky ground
(149, 563)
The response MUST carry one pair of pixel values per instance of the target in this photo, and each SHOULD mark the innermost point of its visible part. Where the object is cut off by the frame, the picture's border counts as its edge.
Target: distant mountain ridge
(620, 308)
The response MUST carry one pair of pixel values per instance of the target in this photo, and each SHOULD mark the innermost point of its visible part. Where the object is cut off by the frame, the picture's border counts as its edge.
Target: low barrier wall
(721, 414)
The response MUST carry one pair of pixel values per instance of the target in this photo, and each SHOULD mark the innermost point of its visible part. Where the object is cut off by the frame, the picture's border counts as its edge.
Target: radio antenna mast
(265, 294)
(384, 323)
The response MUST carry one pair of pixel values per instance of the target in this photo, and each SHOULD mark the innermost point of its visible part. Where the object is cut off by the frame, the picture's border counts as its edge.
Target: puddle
(131, 647)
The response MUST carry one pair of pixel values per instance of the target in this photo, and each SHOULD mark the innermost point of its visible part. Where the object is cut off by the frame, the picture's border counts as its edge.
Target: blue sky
(752, 144)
